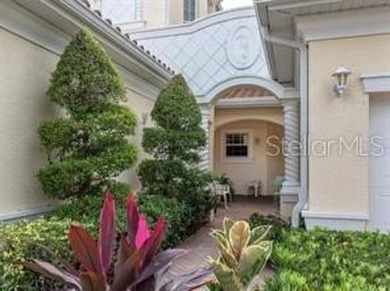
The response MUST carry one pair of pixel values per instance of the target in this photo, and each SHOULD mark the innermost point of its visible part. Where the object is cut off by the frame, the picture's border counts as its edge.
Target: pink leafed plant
(139, 262)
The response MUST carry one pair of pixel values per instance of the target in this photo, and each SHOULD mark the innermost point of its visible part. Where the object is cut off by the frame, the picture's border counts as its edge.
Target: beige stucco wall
(142, 107)
(176, 10)
(223, 116)
(339, 183)
(154, 13)
(261, 166)
(24, 77)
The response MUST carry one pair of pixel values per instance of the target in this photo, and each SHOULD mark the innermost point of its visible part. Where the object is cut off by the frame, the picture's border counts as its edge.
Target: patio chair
(224, 191)
(255, 185)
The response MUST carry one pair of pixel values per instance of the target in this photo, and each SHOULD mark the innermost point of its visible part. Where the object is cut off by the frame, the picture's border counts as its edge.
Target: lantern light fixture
(341, 78)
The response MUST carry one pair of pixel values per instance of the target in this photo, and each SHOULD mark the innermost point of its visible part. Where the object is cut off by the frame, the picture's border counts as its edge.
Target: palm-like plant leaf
(92, 282)
(51, 271)
(85, 249)
(107, 233)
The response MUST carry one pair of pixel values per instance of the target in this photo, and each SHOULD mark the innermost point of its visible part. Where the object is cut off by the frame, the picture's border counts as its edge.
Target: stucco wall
(223, 116)
(142, 107)
(261, 166)
(339, 183)
(24, 76)
(154, 13)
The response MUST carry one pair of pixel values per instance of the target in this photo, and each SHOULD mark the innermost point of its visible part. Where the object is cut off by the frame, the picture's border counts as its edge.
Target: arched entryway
(247, 150)
(239, 120)
(222, 57)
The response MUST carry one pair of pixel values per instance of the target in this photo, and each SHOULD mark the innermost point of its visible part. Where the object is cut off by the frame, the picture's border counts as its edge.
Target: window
(189, 10)
(121, 11)
(237, 145)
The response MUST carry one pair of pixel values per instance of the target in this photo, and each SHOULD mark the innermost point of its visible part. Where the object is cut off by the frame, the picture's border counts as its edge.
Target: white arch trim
(277, 89)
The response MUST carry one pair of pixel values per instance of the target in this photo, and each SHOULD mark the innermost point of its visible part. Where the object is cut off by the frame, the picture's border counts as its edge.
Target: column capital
(290, 101)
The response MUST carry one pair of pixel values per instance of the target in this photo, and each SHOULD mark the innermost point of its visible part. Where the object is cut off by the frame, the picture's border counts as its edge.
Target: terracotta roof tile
(245, 92)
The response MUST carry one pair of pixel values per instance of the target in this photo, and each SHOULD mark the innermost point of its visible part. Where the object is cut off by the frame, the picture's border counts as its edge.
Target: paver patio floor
(200, 245)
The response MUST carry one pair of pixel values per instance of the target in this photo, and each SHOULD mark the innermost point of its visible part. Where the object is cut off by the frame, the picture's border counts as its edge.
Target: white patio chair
(224, 191)
(256, 186)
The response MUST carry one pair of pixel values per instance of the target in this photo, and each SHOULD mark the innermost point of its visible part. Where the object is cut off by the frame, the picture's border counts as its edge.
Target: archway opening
(249, 150)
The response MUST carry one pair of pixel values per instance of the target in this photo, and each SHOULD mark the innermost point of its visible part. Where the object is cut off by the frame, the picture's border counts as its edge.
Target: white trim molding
(249, 102)
(350, 23)
(51, 24)
(336, 220)
(376, 83)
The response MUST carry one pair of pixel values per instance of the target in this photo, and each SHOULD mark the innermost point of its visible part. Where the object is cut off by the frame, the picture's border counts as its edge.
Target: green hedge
(176, 214)
(19, 242)
(327, 260)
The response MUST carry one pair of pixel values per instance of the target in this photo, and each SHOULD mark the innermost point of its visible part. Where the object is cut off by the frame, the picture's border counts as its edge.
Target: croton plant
(139, 263)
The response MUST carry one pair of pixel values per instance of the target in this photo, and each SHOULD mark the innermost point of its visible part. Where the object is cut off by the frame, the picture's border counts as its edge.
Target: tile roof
(245, 92)
(127, 36)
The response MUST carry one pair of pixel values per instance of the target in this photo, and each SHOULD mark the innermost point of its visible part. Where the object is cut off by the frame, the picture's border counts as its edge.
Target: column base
(288, 199)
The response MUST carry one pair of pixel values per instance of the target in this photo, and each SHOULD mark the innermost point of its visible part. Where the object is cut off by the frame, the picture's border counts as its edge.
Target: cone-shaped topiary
(89, 147)
(178, 134)
(174, 144)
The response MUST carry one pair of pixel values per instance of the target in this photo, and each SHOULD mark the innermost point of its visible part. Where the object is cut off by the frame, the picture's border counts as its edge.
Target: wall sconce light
(341, 77)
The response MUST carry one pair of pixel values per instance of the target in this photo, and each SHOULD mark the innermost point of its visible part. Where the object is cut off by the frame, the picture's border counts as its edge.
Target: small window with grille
(237, 145)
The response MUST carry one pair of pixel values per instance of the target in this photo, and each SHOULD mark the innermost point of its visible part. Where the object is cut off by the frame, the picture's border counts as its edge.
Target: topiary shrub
(88, 147)
(174, 144)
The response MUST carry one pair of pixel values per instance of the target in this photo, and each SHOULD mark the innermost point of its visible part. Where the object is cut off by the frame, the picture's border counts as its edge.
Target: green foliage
(139, 263)
(174, 145)
(243, 254)
(177, 112)
(85, 77)
(180, 216)
(174, 212)
(178, 134)
(88, 148)
(20, 241)
(331, 260)
(85, 210)
(279, 226)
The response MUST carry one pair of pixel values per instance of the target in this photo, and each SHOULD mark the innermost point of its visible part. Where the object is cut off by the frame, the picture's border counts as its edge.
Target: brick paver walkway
(200, 245)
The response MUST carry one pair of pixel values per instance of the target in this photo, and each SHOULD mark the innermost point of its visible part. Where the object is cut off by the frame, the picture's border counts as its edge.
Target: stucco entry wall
(223, 116)
(24, 74)
(338, 183)
(262, 123)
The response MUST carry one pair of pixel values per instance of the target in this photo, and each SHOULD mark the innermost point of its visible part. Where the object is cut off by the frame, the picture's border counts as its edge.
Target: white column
(291, 186)
(206, 111)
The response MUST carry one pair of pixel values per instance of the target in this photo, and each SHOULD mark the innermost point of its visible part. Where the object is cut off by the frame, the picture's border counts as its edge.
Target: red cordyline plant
(139, 261)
